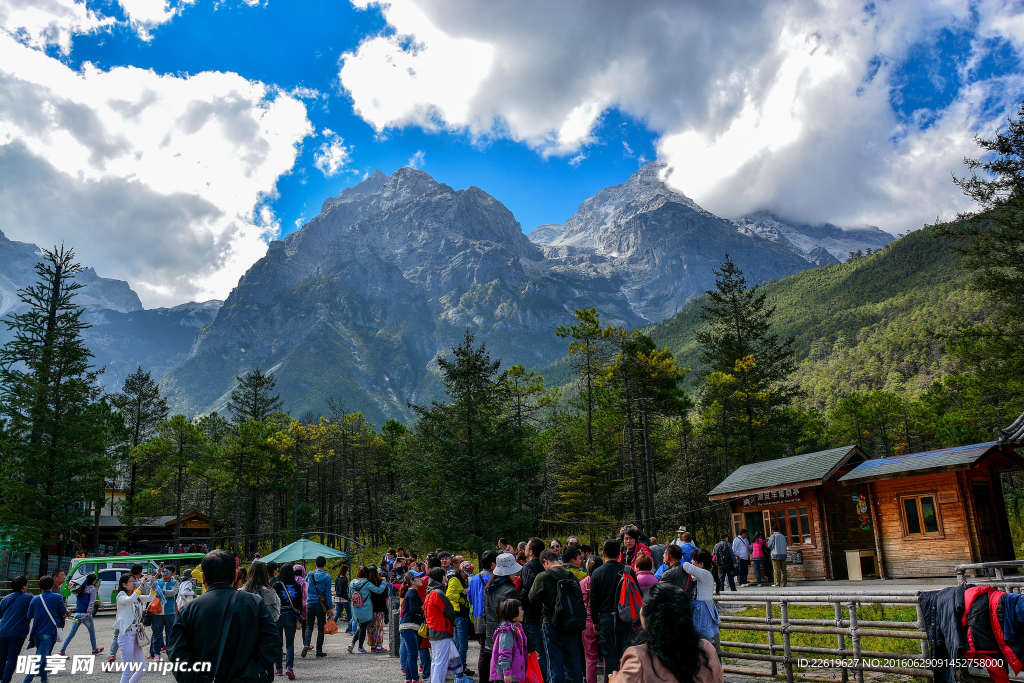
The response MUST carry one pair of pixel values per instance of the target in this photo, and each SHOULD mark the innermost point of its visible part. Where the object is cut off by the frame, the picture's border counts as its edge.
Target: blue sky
(274, 43)
(171, 139)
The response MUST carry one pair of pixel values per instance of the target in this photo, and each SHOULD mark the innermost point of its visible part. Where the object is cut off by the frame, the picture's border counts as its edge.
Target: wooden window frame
(766, 515)
(907, 536)
(738, 522)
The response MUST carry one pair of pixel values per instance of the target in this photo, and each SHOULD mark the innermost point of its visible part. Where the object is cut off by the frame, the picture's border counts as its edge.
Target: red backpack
(630, 598)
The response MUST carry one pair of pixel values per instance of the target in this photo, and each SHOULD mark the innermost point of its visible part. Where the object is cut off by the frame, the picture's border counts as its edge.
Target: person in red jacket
(439, 616)
(632, 548)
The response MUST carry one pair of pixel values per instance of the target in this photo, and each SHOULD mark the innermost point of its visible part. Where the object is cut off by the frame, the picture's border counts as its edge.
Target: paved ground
(338, 665)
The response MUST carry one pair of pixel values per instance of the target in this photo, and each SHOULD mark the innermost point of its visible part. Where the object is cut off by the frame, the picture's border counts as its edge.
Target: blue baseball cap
(416, 573)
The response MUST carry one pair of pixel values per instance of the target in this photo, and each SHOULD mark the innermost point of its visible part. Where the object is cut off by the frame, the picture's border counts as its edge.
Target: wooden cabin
(848, 516)
(800, 496)
(937, 509)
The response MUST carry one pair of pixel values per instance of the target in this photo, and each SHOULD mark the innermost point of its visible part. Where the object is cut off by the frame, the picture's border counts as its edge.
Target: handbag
(322, 600)
(423, 631)
(141, 637)
(60, 632)
(533, 674)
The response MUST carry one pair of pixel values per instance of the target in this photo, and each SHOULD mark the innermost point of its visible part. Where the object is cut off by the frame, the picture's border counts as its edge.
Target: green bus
(109, 569)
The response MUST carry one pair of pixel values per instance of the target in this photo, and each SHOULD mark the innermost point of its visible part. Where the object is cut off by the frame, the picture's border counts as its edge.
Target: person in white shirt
(705, 614)
(741, 550)
(131, 607)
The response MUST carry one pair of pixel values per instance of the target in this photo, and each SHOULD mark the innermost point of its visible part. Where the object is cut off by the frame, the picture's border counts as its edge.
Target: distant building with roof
(845, 515)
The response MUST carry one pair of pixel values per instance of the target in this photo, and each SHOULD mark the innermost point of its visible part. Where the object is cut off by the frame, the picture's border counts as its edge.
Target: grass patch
(865, 613)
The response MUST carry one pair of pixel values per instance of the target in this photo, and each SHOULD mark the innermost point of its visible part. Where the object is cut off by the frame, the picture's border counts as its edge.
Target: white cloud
(145, 15)
(332, 155)
(38, 23)
(418, 160)
(155, 179)
(758, 105)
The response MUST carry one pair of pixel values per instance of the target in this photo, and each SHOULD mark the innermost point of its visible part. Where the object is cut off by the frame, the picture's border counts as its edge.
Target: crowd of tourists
(635, 608)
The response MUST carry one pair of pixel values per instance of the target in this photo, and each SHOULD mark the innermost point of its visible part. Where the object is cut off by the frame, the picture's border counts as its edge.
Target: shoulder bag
(320, 594)
(60, 632)
(141, 637)
(204, 678)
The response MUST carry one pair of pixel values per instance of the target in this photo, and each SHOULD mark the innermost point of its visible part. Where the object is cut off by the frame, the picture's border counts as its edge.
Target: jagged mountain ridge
(663, 244)
(123, 335)
(807, 240)
(359, 303)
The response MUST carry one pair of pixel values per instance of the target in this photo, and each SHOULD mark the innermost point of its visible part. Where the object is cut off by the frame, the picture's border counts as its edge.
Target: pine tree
(143, 409)
(589, 351)
(464, 462)
(55, 425)
(746, 385)
(253, 399)
(178, 443)
(991, 240)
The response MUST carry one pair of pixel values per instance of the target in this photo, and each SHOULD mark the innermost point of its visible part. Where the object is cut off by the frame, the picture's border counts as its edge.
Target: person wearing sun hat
(499, 589)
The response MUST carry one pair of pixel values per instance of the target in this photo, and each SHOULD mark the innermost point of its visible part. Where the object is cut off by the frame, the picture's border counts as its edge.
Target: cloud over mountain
(155, 179)
(808, 109)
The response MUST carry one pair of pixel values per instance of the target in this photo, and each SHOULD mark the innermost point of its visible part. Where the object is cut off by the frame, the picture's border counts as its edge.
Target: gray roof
(961, 457)
(112, 520)
(791, 470)
(1014, 434)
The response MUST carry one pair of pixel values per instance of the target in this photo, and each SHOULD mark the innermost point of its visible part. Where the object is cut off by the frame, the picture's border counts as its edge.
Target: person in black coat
(615, 634)
(250, 642)
(675, 573)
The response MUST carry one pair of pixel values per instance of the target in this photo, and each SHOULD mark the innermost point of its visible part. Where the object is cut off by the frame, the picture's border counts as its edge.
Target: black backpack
(570, 612)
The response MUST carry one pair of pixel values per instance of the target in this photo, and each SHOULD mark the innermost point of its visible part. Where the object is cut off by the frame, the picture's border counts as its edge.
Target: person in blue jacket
(45, 612)
(319, 585)
(13, 626)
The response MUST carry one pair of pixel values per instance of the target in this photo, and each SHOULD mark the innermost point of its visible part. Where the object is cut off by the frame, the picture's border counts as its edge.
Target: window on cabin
(793, 523)
(920, 515)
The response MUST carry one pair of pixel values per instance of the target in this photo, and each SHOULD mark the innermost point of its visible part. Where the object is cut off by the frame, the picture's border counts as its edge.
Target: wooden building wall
(972, 516)
(813, 566)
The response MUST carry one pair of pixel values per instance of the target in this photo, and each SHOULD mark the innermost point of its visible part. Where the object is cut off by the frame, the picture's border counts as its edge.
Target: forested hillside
(877, 322)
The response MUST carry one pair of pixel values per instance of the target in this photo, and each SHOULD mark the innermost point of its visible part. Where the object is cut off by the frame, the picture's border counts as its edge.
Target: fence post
(841, 640)
(771, 636)
(785, 641)
(921, 627)
(855, 640)
(394, 639)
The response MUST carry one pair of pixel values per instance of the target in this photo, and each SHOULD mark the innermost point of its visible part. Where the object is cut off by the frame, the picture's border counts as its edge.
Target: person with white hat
(499, 589)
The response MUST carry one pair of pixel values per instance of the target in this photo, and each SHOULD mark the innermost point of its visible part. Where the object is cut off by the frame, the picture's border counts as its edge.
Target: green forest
(916, 346)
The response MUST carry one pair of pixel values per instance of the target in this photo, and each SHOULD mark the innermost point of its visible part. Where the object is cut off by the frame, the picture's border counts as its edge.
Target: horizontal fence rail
(843, 628)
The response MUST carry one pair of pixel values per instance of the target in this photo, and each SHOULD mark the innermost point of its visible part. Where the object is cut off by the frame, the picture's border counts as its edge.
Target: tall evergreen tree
(991, 240)
(746, 385)
(143, 408)
(178, 443)
(254, 399)
(467, 456)
(589, 352)
(55, 427)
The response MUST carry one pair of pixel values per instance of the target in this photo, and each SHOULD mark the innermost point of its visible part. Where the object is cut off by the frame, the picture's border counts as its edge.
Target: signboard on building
(773, 497)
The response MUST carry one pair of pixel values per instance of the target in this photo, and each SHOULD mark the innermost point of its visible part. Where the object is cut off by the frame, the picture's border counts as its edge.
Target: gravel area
(338, 665)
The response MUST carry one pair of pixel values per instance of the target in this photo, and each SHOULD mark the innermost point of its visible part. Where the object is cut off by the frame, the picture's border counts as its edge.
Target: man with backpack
(726, 562)
(564, 617)
(532, 612)
(607, 585)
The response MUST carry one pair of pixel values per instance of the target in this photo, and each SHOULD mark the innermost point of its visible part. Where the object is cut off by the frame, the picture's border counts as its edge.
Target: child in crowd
(509, 661)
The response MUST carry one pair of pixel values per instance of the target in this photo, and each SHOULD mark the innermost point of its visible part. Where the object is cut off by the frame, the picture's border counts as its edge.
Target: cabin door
(985, 518)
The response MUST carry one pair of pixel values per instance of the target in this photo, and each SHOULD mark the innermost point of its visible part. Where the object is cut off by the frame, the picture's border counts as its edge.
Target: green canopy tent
(302, 549)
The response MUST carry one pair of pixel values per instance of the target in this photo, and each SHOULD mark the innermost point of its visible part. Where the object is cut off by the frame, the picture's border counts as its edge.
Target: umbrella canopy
(302, 549)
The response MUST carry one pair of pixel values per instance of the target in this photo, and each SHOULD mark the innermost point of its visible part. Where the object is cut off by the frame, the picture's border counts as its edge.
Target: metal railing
(851, 628)
(998, 570)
